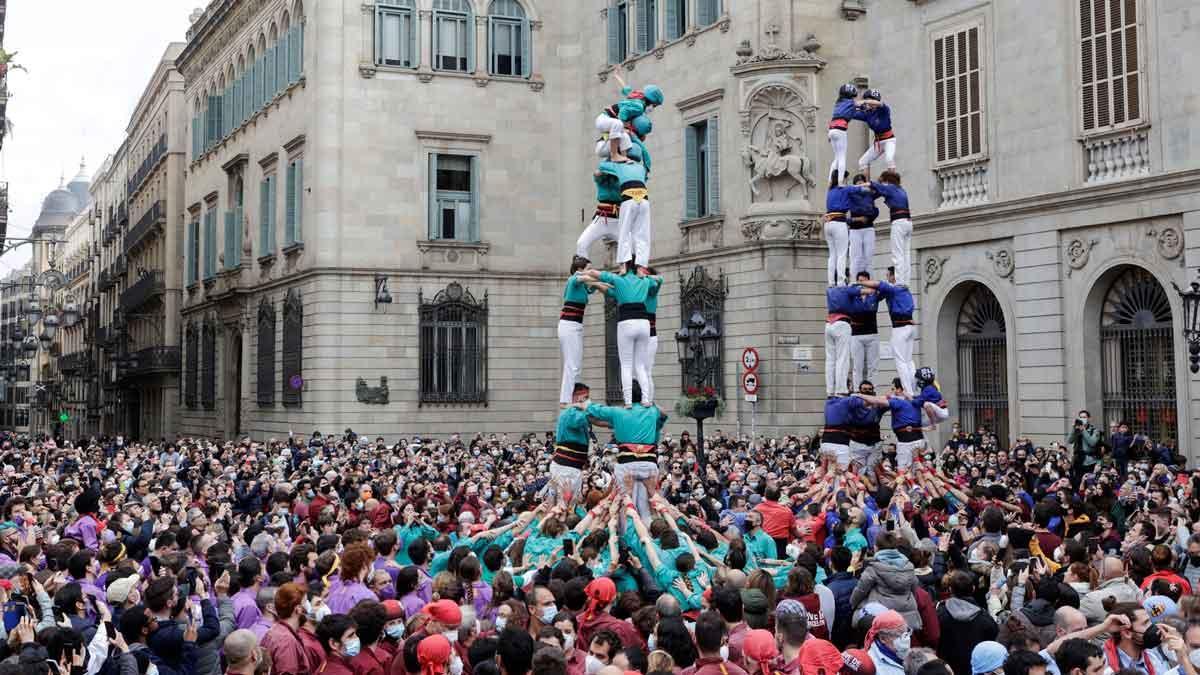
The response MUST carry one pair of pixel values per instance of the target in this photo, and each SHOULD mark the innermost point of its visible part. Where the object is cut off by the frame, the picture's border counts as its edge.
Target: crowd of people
(429, 556)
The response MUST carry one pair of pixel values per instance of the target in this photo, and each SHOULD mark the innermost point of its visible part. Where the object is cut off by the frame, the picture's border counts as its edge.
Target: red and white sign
(750, 359)
(750, 382)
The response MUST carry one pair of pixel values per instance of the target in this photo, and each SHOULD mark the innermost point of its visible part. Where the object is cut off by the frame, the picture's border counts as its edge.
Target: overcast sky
(88, 64)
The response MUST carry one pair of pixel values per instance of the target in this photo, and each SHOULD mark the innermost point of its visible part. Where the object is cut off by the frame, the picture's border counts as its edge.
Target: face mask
(569, 642)
(128, 528)
(310, 494)
(593, 665)
(503, 496)
(1195, 560)
(903, 644)
(725, 652)
(501, 622)
(395, 630)
(1151, 638)
(392, 499)
(451, 635)
(352, 647)
(151, 669)
(548, 614)
(456, 665)
(321, 612)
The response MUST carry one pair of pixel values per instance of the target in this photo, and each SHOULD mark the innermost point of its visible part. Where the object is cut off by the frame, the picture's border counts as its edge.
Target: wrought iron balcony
(147, 166)
(148, 224)
(153, 361)
(73, 362)
(149, 286)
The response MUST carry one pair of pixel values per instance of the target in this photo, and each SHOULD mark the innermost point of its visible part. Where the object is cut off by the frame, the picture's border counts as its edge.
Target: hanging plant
(695, 397)
(8, 62)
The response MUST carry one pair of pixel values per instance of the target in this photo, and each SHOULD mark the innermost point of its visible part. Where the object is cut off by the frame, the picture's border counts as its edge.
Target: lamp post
(699, 344)
(1191, 322)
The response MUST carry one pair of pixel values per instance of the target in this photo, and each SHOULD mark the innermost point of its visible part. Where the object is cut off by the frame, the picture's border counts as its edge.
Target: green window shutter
(281, 70)
(614, 39)
(691, 180)
(264, 216)
(673, 31)
(274, 201)
(473, 234)
(289, 222)
(270, 82)
(299, 229)
(188, 269)
(643, 26)
(714, 166)
(296, 45)
(435, 229)
(469, 27)
(526, 49)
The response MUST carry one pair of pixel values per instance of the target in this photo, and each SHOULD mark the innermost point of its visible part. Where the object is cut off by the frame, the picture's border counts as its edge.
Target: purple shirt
(85, 530)
(482, 599)
(425, 586)
(261, 627)
(342, 600)
(245, 609)
(412, 605)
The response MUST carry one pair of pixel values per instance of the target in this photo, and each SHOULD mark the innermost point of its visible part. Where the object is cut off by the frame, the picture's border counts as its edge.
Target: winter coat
(889, 579)
(964, 625)
(1121, 588)
(842, 584)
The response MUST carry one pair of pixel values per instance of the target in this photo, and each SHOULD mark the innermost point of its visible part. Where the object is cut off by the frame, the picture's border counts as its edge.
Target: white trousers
(634, 232)
(837, 236)
(565, 483)
(837, 358)
(862, 251)
(936, 412)
(570, 341)
(838, 452)
(864, 358)
(837, 138)
(905, 451)
(600, 228)
(903, 338)
(633, 347)
(651, 353)
(639, 480)
(611, 128)
(864, 456)
(902, 250)
(885, 149)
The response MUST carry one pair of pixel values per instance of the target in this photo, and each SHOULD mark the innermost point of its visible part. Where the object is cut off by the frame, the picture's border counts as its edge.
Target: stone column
(425, 41)
(481, 51)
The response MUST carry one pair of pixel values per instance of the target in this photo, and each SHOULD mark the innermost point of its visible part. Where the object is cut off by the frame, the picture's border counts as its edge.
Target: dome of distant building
(59, 208)
(79, 187)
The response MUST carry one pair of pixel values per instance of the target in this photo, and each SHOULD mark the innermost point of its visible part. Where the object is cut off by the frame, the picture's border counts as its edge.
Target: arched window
(701, 309)
(396, 34)
(508, 35)
(293, 342)
(983, 364)
(266, 353)
(1137, 350)
(453, 346)
(453, 36)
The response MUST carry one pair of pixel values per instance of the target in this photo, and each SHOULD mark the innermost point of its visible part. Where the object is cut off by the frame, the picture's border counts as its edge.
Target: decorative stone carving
(1168, 241)
(1117, 155)
(372, 395)
(425, 76)
(659, 52)
(453, 254)
(933, 270)
(1002, 262)
(852, 10)
(744, 51)
(703, 234)
(799, 228)
(772, 51)
(690, 38)
(1078, 253)
(367, 70)
(811, 44)
(603, 74)
(536, 83)
(775, 154)
(725, 24)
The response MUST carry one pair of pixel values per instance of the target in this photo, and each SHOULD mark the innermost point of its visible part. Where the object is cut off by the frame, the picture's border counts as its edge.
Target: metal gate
(983, 365)
(1137, 350)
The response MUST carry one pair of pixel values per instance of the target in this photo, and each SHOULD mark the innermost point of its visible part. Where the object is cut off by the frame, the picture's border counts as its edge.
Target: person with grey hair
(266, 604)
(468, 628)
(243, 654)
(917, 657)
(667, 606)
(261, 545)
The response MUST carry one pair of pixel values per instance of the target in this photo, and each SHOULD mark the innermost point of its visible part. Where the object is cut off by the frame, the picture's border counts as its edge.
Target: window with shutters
(210, 242)
(508, 39)
(958, 92)
(453, 346)
(192, 365)
(707, 12)
(192, 262)
(454, 197)
(677, 18)
(208, 366)
(293, 352)
(396, 34)
(701, 169)
(1109, 61)
(453, 36)
(266, 214)
(266, 353)
(618, 31)
(294, 203)
(647, 25)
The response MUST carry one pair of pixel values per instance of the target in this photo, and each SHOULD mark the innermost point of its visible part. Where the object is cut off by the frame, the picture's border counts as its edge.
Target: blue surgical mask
(395, 631)
(548, 613)
(352, 647)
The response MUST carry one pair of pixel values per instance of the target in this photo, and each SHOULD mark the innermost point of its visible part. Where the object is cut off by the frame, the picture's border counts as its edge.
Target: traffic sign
(750, 382)
(750, 358)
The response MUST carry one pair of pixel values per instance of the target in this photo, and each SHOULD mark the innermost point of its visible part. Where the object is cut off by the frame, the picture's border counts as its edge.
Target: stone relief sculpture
(372, 395)
(778, 160)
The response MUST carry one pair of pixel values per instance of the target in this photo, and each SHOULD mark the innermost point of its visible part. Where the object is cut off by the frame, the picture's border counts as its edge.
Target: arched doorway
(982, 347)
(1137, 350)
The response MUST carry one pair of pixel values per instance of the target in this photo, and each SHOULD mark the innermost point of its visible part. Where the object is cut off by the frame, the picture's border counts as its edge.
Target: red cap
(445, 612)
(394, 609)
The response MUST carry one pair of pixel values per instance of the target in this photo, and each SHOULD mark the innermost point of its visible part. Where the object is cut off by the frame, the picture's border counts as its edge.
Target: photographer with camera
(1083, 440)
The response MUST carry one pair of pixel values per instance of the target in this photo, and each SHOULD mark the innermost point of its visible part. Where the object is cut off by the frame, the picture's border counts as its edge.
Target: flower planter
(703, 410)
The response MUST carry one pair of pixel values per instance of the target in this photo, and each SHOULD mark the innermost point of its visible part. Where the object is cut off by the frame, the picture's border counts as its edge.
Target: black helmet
(873, 94)
(848, 90)
(925, 375)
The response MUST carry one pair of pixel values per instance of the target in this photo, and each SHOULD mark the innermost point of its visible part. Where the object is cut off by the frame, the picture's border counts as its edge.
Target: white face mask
(593, 665)
(501, 622)
(725, 652)
(569, 642)
(451, 635)
(652, 642)
(903, 644)
(548, 614)
(456, 665)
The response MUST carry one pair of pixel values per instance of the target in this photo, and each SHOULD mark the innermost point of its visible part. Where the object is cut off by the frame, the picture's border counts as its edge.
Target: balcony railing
(122, 216)
(146, 225)
(149, 286)
(152, 361)
(73, 362)
(147, 167)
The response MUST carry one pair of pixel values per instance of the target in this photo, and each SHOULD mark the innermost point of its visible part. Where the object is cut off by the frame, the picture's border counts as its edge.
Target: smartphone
(13, 613)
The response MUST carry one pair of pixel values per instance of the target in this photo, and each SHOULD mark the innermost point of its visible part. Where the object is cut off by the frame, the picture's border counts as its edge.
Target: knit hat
(759, 647)
(600, 593)
(445, 612)
(1160, 607)
(754, 602)
(433, 653)
(987, 656)
(789, 606)
(819, 656)
(118, 591)
(858, 662)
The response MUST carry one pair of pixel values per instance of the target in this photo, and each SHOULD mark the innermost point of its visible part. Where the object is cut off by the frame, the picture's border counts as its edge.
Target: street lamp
(34, 313)
(1191, 322)
(49, 329)
(70, 314)
(698, 345)
(30, 346)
